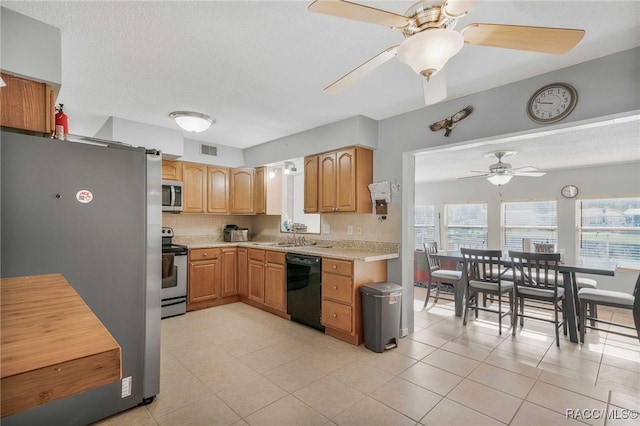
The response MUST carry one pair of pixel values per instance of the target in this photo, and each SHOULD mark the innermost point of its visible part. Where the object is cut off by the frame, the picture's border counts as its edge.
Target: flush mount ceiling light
(194, 122)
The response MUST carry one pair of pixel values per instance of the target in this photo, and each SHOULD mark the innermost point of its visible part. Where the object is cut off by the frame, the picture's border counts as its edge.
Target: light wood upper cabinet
(311, 184)
(343, 180)
(27, 105)
(171, 170)
(194, 187)
(268, 191)
(218, 190)
(241, 191)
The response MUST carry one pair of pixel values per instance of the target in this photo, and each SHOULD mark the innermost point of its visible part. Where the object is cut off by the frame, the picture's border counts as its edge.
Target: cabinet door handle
(335, 287)
(335, 266)
(205, 254)
(335, 315)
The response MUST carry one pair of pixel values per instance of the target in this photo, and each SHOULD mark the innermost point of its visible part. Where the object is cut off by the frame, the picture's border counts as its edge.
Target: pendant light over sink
(194, 122)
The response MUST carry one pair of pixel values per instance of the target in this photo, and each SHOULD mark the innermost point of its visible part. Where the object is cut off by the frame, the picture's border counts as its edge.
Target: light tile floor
(237, 365)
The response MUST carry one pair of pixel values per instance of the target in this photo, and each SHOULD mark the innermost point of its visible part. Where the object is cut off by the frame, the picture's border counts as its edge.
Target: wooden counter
(53, 345)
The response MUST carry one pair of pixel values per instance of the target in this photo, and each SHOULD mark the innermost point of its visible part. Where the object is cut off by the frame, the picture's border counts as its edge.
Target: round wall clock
(569, 191)
(552, 103)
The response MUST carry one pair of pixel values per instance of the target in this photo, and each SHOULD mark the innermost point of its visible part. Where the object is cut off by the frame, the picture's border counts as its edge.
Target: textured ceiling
(259, 67)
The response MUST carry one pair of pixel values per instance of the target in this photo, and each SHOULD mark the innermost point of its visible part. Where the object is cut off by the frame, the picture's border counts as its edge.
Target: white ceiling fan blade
(529, 174)
(525, 169)
(435, 88)
(364, 69)
(457, 8)
(477, 176)
(359, 12)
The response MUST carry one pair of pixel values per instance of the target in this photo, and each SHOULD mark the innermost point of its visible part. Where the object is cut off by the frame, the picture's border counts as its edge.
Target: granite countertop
(343, 250)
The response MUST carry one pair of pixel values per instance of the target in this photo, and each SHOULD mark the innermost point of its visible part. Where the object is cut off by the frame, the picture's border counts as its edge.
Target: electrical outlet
(126, 387)
(326, 229)
(359, 230)
(349, 230)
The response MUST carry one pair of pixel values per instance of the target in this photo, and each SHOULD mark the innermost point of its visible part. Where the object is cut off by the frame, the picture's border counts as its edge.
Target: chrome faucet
(293, 229)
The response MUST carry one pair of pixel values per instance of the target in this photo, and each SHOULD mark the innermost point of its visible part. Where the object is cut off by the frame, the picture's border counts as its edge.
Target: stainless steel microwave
(171, 196)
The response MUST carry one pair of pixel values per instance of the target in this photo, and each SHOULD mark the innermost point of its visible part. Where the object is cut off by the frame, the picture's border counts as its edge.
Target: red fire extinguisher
(62, 123)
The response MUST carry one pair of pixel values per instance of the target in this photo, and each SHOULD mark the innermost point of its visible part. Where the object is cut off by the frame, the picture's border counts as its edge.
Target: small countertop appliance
(234, 234)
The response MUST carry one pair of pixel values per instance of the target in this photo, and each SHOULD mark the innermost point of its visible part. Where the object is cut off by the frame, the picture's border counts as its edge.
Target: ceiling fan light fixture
(456, 8)
(427, 52)
(194, 122)
(499, 180)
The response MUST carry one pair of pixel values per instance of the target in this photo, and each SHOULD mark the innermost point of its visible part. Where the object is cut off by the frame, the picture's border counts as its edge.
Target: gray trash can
(381, 315)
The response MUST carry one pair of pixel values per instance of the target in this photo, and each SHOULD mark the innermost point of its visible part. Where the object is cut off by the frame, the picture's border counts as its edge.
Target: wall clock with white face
(569, 191)
(552, 103)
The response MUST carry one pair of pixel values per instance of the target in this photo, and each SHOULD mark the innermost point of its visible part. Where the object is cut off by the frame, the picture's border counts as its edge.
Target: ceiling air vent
(209, 150)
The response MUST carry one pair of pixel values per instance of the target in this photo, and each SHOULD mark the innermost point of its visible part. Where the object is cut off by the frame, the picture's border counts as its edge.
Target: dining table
(566, 268)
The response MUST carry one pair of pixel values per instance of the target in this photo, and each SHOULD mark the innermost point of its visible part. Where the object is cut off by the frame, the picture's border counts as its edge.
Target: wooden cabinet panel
(335, 266)
(256, 280)
(260, 191)
(218, 190)
(327, 182)
(337, 315)
(343, 181)
(337, 287)
(243, 271)
(341, 300)
(204, 280)
(171, 170)
(194, 187)
(346, 180)
(229, 283)
(268, 191)
(204, 254)
(311, 184)
(274, 286)
(27, 105)
(241, 191)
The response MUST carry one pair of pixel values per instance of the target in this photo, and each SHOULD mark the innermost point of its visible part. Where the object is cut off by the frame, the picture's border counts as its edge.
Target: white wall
(227, 156)
(600, 182)
(30, 48)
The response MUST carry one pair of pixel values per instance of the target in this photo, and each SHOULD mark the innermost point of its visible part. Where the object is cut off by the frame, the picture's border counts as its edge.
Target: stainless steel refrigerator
(91, 212)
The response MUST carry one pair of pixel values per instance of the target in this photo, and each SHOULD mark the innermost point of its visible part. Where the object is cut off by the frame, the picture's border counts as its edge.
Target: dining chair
(484, 269)
(537, 278)
(437, 276)
(592, 308)
(614, 299)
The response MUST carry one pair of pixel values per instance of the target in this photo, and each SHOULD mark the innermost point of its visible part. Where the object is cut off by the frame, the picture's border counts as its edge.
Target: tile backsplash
(262, 227)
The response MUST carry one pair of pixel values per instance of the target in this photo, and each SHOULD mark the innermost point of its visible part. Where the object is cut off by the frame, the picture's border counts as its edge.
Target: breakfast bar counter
(53, 345)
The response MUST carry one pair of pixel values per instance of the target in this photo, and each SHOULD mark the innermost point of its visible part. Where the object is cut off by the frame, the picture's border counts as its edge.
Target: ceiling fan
(500, 173)
(430, 40)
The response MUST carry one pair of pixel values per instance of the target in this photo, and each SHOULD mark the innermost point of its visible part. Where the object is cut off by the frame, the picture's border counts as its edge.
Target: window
(466, 225)
(609, 229)
(423, 225)
(536, 220)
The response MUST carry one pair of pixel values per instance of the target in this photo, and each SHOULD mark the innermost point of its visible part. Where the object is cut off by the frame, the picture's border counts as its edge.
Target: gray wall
(606, 86)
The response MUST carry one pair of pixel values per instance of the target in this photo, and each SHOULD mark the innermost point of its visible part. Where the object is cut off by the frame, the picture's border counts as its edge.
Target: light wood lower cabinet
(267, 280)
(341, 300)
(212, 277)
(243, 272)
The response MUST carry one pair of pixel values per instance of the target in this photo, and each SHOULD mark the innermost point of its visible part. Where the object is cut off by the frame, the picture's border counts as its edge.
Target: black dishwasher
(304, 293)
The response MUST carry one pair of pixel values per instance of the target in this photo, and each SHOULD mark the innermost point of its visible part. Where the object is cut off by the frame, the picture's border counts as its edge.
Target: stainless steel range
(174, 276)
